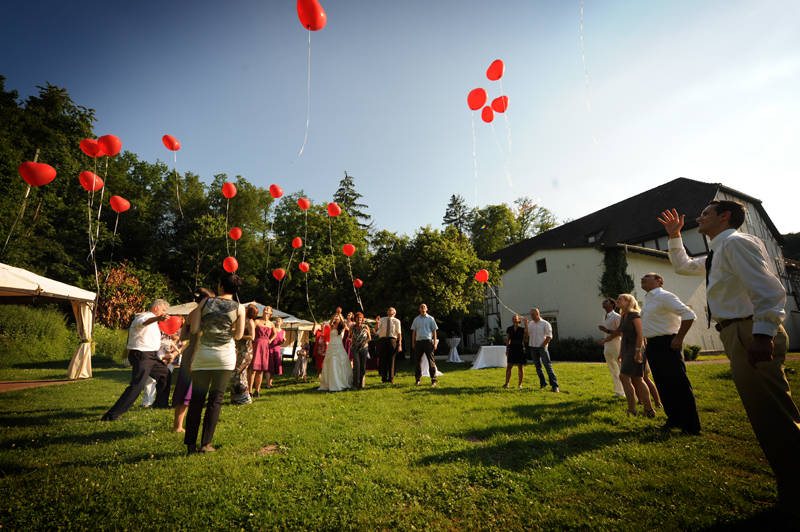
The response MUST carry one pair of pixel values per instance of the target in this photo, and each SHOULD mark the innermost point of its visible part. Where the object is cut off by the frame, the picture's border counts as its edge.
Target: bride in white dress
(337, 374)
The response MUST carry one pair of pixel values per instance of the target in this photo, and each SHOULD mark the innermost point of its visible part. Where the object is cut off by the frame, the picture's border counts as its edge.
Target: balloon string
(308, 300)
(177, 182)
(352, 280)
(283, 279)
(330, 235)
(305, 237)
(111, 260)
(227, 243)
(269, 244)
(100, 208)
(583, 51)
(505, 161)
(475, 159)
(505, 116)
(501, 302)
(21, 212)
(89, 216)
(308, 117)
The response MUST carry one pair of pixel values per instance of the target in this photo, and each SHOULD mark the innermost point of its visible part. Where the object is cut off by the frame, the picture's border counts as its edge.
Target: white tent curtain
(80, 367)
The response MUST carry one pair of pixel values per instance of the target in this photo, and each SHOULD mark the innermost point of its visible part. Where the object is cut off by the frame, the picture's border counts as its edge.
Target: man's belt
(388, 338)
(724, 323)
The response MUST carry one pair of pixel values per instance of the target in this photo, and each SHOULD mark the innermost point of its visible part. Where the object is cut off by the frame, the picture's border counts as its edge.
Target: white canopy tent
(24, 287)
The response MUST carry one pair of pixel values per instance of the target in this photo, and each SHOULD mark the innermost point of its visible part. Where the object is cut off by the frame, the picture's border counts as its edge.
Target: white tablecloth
(453, 343)
(490, 356)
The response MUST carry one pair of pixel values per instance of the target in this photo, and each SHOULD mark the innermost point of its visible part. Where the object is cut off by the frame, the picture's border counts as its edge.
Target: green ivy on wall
(615, 279)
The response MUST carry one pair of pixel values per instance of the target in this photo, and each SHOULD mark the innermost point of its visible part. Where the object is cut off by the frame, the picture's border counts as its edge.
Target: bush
(690, 351)
(109, 344)
(576, 350)
(496, 338)
(34, 334)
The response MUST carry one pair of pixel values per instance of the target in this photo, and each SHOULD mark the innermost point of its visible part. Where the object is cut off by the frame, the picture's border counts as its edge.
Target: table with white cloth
(453, 343)
(490, 356)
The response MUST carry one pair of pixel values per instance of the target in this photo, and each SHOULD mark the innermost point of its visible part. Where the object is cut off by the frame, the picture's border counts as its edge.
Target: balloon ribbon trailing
(308, 117)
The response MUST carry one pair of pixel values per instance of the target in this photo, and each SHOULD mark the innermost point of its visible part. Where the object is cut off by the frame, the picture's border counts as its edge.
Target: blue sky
(704, 90)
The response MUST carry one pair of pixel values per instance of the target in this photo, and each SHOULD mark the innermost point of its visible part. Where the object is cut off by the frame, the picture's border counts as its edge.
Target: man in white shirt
(423, 342)
(390, 341)
(746, 300)
(665, 322)
(144, 341)
(611, 344)
(540, 332)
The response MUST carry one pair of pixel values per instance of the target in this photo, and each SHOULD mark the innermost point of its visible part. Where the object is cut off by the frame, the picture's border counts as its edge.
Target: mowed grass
(466, 455)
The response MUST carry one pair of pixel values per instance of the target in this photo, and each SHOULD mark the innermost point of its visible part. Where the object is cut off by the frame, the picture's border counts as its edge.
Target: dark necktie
(709, 258)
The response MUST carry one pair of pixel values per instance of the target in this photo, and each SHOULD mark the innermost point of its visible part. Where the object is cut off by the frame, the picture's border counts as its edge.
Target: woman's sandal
(633, 413)
(650, 413)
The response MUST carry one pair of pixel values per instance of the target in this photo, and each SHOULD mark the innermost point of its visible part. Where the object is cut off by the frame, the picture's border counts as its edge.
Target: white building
(559, 271)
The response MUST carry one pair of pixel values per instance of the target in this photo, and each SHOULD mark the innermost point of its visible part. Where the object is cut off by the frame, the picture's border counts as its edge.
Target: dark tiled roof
(631, 221)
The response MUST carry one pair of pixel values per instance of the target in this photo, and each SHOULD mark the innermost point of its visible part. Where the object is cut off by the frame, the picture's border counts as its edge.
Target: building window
(541, 266)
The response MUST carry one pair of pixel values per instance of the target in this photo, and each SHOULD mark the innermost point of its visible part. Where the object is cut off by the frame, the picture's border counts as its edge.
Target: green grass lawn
(467, 455)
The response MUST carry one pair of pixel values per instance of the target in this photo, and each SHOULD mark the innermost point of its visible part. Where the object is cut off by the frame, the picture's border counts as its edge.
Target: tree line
(161, 248)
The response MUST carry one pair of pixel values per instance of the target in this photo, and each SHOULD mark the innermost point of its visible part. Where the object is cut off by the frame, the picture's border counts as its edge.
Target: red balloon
(276, 191)
(279, 273)
(91, 148)
(297, 242)
(304, 266)
(311, 14)
(477, 98)
(500, 104)
(334, 210)
(109, 144)
(236, 233)
(229, 190)
(119, 204)
(495, 70)
(171, 326)
(90, 181)
(171, 142)
(482, 276)
(487, 114)
(349, 249)
(358, 283)
(230, 264)
(37, 174)
(303, 203)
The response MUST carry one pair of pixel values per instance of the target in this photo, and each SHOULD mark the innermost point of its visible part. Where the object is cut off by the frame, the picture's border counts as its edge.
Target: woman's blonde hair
(633, 305)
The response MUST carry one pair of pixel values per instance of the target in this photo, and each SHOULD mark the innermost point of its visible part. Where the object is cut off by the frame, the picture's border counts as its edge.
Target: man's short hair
(534, 309)
(231, 283)
(657, 277)
(611, 301)
(159, 303)
(736, 209)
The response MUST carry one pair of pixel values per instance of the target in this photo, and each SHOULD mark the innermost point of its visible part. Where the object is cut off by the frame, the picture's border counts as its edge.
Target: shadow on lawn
(27, 418)
(767, 520)
(543, 434)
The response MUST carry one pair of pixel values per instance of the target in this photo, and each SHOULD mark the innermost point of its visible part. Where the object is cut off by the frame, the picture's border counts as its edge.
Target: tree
(458, 214)
(347, 198)
(531, 220)
(493, 228)
(435, 267)
(792, 248)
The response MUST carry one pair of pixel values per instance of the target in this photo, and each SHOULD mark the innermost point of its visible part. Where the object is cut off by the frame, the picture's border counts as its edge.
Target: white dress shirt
(144, 338)
(740, 283)
(389, 328)
(611, 322)
(662, 313)
(538, 331)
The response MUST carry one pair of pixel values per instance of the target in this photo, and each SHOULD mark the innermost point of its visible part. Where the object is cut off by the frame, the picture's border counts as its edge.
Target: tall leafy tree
(531, 219)
(347, 198)
(458, 214)
(492, 229)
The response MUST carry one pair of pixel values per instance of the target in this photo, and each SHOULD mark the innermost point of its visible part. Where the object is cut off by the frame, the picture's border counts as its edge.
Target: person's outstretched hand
(672, 222)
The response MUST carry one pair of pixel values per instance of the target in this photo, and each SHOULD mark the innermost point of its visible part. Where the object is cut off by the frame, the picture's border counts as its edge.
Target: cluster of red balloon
(477, 98)
(171, 325)
(230, 264)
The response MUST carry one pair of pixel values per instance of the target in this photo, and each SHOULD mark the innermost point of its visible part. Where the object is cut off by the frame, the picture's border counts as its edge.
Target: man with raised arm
(746, 300)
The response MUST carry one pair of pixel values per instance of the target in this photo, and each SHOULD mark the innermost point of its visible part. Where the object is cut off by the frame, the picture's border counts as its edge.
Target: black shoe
(106, 417)
(191, 449)
(667, 426)
(256, 394)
